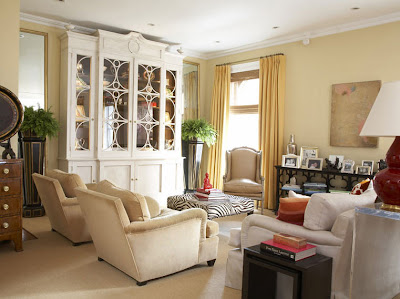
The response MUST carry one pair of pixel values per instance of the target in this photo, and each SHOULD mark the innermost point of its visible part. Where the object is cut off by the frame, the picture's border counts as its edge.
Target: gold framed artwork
(350, 106)
(307, 152)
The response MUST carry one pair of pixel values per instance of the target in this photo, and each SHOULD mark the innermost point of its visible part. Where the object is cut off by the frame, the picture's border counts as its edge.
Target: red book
(294, 254)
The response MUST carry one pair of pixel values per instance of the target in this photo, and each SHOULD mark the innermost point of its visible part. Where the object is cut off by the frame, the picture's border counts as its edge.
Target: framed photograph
(366, 170)
(348, 166)
(369, 163)
(315, 163)
(291, 161)
(332, 158)
(307, 152)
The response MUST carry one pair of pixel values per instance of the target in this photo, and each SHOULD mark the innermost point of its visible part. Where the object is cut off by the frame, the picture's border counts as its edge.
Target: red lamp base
(387, 181)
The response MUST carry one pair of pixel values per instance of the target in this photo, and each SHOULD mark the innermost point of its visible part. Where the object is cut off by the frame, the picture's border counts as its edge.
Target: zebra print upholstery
(231, 205)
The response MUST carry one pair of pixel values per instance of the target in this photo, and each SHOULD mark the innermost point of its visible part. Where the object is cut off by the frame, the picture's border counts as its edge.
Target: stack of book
(295, 188)
(310, 188)
(209, 194)
(290, 247)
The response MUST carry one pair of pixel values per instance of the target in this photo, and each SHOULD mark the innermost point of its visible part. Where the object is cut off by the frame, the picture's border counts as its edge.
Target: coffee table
(231, 205)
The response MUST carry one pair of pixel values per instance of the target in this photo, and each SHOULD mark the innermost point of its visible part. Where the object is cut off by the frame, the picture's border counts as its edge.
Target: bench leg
(211, 263)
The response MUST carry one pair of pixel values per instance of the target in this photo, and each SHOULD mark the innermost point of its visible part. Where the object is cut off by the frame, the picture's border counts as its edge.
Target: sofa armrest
(72, 201)
(167, 221)
(258, 228)
(234, 238)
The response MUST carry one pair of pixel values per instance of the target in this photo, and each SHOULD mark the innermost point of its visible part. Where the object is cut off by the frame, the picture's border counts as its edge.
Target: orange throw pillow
(291, 209)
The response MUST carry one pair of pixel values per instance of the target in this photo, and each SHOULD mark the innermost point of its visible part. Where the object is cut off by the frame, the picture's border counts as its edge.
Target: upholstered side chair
(243, 174)
(57, 193)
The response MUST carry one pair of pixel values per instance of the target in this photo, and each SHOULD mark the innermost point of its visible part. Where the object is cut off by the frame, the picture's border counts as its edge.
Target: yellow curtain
(271, 113)
(219, 119)
(191, 96)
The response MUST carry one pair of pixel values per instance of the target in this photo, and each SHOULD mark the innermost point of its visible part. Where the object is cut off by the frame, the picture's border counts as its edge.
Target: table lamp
(384, 121)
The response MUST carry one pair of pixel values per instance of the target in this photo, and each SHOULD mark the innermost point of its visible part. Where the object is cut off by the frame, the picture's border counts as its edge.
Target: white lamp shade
(384, 117)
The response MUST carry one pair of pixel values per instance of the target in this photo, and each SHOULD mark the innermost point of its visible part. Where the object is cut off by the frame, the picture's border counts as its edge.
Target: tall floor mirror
(192, 149)
(32, 91)
(191, 90)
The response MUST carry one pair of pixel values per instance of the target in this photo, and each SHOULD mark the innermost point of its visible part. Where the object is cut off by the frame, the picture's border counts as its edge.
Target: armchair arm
(163, 222)
(66, 202)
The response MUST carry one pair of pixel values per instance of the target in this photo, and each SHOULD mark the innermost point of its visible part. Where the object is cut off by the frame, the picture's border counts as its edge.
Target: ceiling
(211, 28)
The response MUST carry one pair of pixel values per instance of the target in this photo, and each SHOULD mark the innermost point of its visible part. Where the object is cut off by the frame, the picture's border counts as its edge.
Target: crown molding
(53, 23)
(394, 17)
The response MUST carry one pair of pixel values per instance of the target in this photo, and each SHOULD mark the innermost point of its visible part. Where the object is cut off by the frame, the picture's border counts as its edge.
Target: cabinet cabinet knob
(6, 188)
(92, 118)
(94, 181)
(5, 225)
(6, 171)
(6, 207)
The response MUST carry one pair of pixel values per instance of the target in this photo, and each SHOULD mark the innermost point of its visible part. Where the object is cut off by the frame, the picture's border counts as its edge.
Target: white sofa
(328, 224)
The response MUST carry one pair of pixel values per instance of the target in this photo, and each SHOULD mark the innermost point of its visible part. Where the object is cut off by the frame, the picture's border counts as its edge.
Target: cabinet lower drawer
(10, 206)
(10, 170)
(9, 224)
(10, 187)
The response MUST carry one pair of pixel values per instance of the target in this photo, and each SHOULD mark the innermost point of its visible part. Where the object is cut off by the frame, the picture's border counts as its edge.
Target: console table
(269, 276)
(311, 175)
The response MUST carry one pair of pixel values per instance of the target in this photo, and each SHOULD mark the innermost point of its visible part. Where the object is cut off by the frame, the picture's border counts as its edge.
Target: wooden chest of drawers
(11, 201)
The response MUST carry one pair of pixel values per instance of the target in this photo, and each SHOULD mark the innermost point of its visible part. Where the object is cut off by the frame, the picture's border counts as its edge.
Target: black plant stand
(32, 150)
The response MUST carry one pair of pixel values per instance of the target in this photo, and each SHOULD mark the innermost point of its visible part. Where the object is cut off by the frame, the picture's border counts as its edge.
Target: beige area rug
(50, 267)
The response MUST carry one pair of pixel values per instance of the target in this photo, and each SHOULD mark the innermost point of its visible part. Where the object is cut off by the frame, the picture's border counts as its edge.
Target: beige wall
(354, 56)
(9, 50)
(53, 82)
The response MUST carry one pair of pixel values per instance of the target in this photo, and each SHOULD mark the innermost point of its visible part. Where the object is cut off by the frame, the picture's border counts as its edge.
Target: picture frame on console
(291, 161)
(348, 166)
(365, 170)
(315, 163)
(307, 152)
(369, 163)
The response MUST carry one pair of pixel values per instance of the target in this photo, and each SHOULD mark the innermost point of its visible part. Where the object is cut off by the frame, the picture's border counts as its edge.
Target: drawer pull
(6, 171)
(6, 188)
(5, 225)
(6, 207)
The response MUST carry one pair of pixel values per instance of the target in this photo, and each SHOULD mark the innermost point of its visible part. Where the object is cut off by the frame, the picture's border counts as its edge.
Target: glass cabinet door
(115, 112)
(148, 108)
(82, 104)
(170, 109)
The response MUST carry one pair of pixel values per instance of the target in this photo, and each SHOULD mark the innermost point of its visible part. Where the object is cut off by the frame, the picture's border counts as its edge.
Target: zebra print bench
(231, 205)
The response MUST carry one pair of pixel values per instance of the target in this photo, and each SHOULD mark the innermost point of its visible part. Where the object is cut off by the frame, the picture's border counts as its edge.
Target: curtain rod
(249, 60)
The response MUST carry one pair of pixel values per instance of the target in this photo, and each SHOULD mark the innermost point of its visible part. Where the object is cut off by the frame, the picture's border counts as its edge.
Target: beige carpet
(50, 267)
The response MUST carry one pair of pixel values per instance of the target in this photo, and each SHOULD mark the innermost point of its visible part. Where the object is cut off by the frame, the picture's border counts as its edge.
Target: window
(243, 108)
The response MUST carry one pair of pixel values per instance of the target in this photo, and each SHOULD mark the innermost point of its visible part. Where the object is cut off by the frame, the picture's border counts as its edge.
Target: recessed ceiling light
(275, 27)
(217, 41)
(151, 24)
(355, 8)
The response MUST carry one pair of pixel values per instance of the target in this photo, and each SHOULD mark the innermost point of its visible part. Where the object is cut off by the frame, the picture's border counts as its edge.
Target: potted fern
(37, 125)
(195, 132)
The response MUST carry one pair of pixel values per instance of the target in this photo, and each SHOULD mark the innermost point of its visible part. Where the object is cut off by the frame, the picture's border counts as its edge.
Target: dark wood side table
(311, 277)
(11, 201)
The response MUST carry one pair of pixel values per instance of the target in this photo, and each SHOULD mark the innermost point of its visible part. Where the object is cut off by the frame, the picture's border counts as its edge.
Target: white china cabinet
(120, 109)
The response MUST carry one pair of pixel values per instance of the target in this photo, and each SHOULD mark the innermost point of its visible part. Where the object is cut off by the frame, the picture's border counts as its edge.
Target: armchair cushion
(292, 209)
(212, 228)
(242, 186)
(323, 208)
(153, 206)
(135, 204)
(68, 181)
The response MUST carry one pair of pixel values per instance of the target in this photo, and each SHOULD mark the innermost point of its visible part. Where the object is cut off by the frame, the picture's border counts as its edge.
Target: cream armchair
(128, 233)
(243, 174)
(328, 224)
(56, 191)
